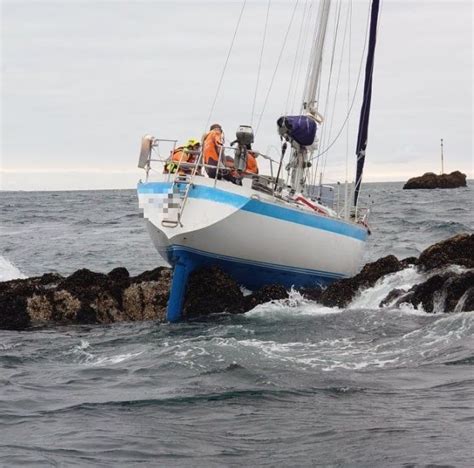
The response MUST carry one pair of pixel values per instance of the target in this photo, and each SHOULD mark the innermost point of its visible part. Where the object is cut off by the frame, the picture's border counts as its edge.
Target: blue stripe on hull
(253, 275)
(259, 207)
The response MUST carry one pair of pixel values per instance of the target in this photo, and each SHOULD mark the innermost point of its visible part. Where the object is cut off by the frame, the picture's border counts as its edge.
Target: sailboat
(268, 230)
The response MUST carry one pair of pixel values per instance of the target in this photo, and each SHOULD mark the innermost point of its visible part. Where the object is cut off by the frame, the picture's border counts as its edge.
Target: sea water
(288, 383)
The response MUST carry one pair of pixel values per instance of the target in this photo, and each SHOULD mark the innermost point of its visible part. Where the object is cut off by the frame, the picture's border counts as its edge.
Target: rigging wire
(296, 58)
(260, 61)
(303, 53)
(349, 14)
(353, 96)
(225, 64)
(314, 171)
(336, 91)
(277, 66)
(336, 27)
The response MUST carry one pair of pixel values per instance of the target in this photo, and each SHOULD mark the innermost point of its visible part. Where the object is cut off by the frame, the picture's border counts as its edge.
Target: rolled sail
(298, 128)
(365, 110)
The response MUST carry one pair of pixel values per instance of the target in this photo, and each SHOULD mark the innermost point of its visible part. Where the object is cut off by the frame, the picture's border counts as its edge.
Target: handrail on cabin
(151, 145)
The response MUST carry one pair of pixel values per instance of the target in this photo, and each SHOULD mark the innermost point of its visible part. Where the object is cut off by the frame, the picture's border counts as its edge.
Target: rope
(225, 65)
(277, 65)
(260, 62)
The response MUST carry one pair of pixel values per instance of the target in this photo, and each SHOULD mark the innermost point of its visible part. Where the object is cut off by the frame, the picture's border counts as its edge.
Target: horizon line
(134, 188)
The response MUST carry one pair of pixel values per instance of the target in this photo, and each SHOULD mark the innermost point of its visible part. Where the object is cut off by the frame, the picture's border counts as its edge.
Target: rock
(467, 301)
(431, 180)
(147, 300)
(459, 292)
(313, 294)
(13, 312)
(340, 294)
(119, 274)
(226, 294)
(88, 297)
(391, 297)
(150, 275)
(272, 292)
(210, 291)
(85, 297)
(443, 292)
(406, 262)
(457, 250)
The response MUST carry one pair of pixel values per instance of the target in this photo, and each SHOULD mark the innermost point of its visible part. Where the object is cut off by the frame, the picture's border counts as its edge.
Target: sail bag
(299, 128)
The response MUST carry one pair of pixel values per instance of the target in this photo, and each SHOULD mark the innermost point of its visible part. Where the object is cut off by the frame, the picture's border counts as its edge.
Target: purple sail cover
(300, 128)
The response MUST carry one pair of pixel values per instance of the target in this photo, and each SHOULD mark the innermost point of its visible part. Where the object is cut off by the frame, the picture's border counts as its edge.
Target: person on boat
(184, 154)
(252, 166)
(212, 143)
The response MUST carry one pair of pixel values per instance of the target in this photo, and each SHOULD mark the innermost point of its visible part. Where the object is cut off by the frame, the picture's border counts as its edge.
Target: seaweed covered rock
(88, 297)
(209, 291)
(84, 297)
(341, 293)
(13, 313)
(430, 180)
(447, 292)
(313, 294)
(267, 293)
(457, 250)
(393, 296)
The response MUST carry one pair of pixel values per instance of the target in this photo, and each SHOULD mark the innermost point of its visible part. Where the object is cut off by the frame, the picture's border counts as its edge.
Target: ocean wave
(370, 298)
(250, 394)
(295, 305)
(438, 340)
(83, 355)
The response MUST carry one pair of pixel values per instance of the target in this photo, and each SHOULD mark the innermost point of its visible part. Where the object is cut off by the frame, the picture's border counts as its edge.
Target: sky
(83, 80)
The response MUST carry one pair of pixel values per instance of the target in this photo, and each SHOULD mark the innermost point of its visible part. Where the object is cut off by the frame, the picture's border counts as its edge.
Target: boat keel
(183, 267)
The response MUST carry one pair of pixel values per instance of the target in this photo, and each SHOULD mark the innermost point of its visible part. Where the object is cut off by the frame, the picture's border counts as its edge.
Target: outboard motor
(244, 141)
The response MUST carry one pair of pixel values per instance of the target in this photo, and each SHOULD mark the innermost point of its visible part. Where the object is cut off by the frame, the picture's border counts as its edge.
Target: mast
(365, 110)
(299, 157)
(315, 61)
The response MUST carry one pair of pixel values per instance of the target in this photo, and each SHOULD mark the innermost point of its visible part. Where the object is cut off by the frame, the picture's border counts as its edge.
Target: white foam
(462, 301)
(370, 298)
(115, 359)
(294, 305)
(8, 271)
(85, 356)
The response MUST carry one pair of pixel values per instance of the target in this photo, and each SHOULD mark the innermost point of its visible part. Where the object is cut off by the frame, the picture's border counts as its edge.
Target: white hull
(242, 229)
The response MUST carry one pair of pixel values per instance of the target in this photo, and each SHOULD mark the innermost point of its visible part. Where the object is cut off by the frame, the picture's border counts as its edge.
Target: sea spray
(8, 271)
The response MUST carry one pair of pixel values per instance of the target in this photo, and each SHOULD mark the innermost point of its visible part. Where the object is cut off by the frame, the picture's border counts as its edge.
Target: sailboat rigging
(298, 238)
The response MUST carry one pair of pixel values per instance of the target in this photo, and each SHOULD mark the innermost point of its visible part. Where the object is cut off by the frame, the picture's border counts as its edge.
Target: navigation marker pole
(442, 158)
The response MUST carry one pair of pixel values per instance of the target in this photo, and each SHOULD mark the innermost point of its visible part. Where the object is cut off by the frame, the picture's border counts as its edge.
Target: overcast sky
(82, 81)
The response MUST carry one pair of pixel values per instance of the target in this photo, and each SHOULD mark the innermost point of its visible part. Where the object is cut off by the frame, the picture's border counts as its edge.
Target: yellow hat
(192, 142)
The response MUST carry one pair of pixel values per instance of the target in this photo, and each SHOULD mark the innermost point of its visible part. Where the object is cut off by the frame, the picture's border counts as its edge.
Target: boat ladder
(178, 195)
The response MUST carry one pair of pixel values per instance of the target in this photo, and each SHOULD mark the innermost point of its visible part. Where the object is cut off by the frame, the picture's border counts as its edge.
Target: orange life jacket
(212, 142)
(178, 156)
(252, 166)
